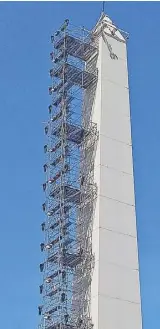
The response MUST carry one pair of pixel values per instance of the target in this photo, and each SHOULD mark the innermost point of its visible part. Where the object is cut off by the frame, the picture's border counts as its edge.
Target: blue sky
(25, 30)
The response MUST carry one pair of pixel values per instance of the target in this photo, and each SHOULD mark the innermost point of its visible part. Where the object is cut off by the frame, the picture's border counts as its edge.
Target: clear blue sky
(25, 30)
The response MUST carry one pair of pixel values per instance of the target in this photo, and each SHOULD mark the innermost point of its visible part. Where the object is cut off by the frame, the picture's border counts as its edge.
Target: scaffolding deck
(76, 47)
(76, 75)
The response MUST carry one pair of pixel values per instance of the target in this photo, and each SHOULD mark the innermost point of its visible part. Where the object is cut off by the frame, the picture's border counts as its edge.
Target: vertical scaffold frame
(69, 185)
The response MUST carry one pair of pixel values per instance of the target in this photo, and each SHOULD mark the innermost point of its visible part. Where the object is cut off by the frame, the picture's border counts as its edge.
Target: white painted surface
(117, 185)
(118, 249)
(118, 155)
(114, 313)
(118, 67)
(119, 104)
(115, 126)
(115, 293)
(117, 216)
(120, 277)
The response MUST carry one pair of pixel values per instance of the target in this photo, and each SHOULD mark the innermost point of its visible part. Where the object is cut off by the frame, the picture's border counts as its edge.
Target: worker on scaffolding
(40, 309)
(52, 56)
(44, 206)
(82, 180)
(50, 89)
(43, 226)
(66, 318)
(41, 266)
(41, 288)
(45, 167)
(42, 245)
(44, 186)
(65, 24)
(51, 73)
(52, 38)
(45, 148)
(46, 130)
(50, 109)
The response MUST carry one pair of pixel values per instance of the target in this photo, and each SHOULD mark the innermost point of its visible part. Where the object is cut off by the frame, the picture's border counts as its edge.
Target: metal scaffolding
(69, 187)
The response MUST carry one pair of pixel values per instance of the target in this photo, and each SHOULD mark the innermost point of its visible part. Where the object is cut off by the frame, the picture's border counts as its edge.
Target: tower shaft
(115, 299)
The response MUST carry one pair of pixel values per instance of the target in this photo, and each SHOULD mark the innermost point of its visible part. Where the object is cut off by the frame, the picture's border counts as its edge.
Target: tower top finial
(105, 24)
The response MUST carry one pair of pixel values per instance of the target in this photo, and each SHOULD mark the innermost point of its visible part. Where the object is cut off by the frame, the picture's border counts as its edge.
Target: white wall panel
(117, 216)
(114, 125)
(117, 249)
(116, 185)
(115, 98)
(95, 311)
(118, 155)
(119, 282)
(118, 314)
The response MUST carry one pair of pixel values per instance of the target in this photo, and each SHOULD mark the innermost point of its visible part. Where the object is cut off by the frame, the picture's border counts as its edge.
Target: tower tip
(103, 6)
(106, 24)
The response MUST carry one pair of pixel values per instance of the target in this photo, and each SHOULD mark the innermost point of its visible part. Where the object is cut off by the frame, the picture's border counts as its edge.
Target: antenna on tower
(103, 5)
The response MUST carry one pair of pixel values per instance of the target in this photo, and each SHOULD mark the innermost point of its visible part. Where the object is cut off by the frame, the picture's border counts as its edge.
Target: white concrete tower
(115, 291)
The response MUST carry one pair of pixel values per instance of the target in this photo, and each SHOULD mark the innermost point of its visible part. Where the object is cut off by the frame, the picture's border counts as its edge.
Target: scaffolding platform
(53, 310)
(61, 99)
(56, 224)
(57, 116)
(74, 133)
(57, 161)
(76, 47)
(53, 292)
(56, 147)
(57, 208)
(71, 260)
(63, 86)
(68, 259)
(58, 174)
(54, 275)
(59, 238)
(67, 242)
(76, 75)
(71, 194)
